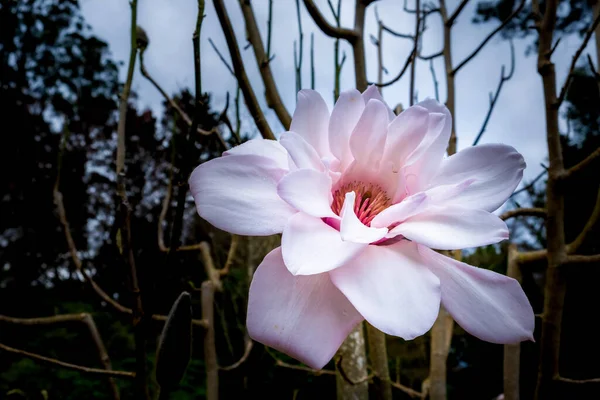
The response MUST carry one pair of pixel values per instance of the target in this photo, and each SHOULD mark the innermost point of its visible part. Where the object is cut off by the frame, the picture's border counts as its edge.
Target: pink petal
(392, 288)
(305, 317)
(301, 152)
(368, 138)
(451, 228)
(400, 211)
(311, 120)
(373, 93)
(352, 230)
(345, 115)
(424, 162)
(310, 246)
(488, 305)
(495, 170)
(271, 149)
(308, 191)
(405, 133)
(238, 194)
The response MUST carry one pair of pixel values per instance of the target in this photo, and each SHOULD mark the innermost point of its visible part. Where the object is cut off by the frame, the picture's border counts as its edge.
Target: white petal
(424, 162)
(345, 115)
(494, 170)
(301, 152)
(373, 93)
(351, 229)
(271, 149)
(305, 317)
(451, 228)
(400, 211)
(488, 305)
(238, 194)
(405, 133)
(308, 191)
(310, 246)
(368, 138)
(392, 289)
(311, 120)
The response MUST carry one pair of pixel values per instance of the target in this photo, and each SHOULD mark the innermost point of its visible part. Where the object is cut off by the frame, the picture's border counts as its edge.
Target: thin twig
(269, 30)
(247, 349)
(284, 364)
(240, 72)
(489, 37)
(80, 368)
(402, 71)
(587, 229)
(173, 104)
(531, 184)
(580, 259)
(84, 318)
(576, 381)
(435, 81)
(523, 212)
(332, 31)
(264, 63)
(583, 165)
(235, 239)
(494, 98)
(413, 64)
(221, 57)
(124, 217)
(312, 60)
(210, 350)
(588, 35)
(432, 56)
(397, 34)
(298, 57)
(411, 392)
(456, 13)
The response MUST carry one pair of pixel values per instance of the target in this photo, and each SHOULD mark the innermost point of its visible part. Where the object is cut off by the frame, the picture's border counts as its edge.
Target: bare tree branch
(247, 349)
(413, 64)
(240, 72)
(524, 212)
(235, 239)
(74, 367)
(494, 98)
(88, 321)
(489, 37)
(576, 381)
(583, 165)
(576, 259)
(457, 12)
(587, 229)
(210, 350)
(432, 56)
(586, 39)
(402, 71)
(328, 29)
(173, 104)
(262, 60)
(435, 81)
(531, 184)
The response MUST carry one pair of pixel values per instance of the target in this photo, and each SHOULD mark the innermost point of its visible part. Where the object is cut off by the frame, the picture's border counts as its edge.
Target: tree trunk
(512, 352)
(350, 380)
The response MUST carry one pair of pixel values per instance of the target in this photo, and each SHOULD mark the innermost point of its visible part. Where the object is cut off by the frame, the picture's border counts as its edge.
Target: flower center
(370, 200)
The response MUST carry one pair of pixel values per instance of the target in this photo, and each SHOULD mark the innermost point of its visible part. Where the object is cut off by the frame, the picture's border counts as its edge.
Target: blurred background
(68, 238)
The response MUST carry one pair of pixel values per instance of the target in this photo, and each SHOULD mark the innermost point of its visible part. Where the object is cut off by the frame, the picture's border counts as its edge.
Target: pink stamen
(370, 200)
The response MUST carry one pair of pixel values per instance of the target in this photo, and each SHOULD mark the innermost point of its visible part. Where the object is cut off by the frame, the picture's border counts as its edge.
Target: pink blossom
(361, 196)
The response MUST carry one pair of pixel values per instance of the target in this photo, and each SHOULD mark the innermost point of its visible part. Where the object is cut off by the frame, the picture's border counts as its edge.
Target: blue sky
(518, 119)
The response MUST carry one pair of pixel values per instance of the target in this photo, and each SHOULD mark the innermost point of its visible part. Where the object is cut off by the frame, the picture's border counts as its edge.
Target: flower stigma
(371, 199)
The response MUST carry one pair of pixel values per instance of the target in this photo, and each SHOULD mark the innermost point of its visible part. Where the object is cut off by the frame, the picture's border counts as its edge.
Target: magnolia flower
(361, 197)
